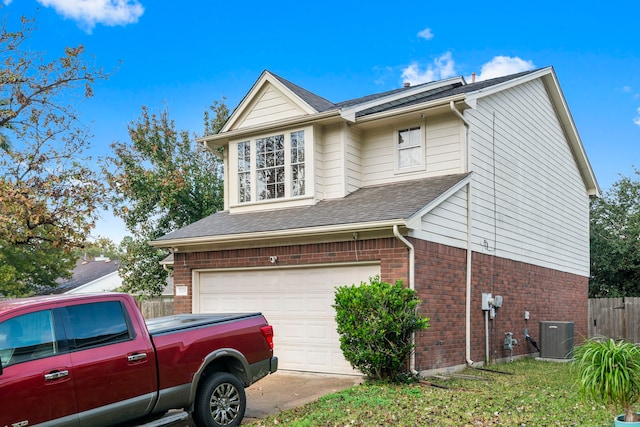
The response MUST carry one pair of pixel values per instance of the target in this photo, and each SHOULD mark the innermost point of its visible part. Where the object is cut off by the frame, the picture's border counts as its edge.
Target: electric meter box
(556, 340)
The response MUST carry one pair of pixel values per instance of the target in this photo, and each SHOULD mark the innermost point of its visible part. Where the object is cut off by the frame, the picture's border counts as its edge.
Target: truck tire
(220, 401)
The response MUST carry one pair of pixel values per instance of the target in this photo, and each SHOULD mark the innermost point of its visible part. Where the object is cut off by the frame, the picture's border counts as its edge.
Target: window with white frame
(297, 163)
(271, 167)
(244, 171)
(410, 147)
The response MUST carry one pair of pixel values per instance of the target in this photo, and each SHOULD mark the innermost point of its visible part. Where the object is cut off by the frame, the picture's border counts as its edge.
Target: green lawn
(534, 393)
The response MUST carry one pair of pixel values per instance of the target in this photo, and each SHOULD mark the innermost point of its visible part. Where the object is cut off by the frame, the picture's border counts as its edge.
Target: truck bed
(169, 324)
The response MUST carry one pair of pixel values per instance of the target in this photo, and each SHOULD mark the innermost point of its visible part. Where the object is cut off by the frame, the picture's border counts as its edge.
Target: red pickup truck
(92, 360)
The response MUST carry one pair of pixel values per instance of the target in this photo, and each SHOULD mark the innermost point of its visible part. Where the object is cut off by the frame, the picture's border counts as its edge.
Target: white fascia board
(349, 113)
(412, 108)
(415, 219)
(279, 234)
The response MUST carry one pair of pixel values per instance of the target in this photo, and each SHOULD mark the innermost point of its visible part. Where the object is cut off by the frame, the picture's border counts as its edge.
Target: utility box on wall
(556, 340)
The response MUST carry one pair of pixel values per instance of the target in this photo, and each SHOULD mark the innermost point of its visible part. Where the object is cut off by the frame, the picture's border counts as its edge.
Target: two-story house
(458, 189)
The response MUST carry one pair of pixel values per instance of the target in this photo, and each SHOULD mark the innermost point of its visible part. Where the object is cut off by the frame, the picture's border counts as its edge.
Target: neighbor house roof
(85, 271)
(396, 202)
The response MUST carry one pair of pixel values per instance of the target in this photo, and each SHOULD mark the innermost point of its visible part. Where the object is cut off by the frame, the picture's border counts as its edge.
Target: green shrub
(375, 323)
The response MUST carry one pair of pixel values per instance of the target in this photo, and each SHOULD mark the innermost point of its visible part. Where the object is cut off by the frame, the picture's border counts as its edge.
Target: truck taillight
(267, 331)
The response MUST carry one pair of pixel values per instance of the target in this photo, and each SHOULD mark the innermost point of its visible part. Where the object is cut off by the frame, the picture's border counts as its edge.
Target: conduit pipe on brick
(468, 278)
(412, 275)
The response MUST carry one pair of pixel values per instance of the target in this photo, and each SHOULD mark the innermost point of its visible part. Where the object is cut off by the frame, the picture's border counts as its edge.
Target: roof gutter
(350, 114)
(469, 229)
(278, 234)
(412, 275)
(211, 141)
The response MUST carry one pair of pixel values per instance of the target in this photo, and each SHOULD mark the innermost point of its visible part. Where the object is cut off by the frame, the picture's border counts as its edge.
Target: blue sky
(183, 56)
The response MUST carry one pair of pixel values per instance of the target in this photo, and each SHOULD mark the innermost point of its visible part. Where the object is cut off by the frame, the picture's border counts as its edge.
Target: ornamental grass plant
(609, 373)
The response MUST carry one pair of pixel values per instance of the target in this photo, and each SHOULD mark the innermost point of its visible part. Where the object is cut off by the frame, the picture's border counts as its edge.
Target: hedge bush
(376, 321)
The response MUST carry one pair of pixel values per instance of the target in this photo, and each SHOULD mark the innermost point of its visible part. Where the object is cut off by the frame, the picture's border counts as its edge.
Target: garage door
(296, 301)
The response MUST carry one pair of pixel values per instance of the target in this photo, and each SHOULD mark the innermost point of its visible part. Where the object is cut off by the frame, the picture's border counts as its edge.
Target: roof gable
(272, 99)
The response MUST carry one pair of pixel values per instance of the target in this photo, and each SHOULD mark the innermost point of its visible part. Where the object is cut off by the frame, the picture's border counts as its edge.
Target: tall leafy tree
(161, 181)
(48, 193)
(615, 240)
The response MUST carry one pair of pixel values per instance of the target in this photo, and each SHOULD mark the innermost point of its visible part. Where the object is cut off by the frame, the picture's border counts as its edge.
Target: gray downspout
(412, 274)
(468, 278)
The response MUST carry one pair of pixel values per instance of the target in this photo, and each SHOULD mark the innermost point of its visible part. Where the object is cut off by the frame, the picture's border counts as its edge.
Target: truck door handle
(136, 357)
(56, 375)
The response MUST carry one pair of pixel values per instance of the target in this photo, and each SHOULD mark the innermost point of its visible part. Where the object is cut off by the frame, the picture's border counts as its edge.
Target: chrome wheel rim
(225, 404)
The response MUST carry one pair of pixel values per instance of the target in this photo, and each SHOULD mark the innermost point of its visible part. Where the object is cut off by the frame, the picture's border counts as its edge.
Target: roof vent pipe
(407, 84)
(473, 77)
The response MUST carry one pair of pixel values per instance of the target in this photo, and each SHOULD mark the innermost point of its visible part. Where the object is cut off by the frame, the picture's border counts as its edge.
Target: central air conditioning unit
(556, 340)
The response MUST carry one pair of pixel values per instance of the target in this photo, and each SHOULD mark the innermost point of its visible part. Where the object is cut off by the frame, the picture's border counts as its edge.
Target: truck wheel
(220, 401)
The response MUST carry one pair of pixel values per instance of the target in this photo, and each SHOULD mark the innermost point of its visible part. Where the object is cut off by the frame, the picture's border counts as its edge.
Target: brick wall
(393, 257)
(548, 295)
(441, 284)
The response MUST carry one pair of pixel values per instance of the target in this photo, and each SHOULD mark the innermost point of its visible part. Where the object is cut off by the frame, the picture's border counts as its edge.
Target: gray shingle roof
(317, 102)
(320, 104)
(397, 201)
(86, 271)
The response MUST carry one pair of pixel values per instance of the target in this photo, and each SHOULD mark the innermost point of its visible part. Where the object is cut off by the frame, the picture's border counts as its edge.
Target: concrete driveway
(285, 390)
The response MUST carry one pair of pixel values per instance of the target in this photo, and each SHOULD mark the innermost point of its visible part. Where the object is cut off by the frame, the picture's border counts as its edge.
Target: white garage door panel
(296, 301)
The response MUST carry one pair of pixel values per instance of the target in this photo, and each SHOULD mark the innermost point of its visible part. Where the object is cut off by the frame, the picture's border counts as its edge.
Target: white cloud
(88, 13)
(442, 68)
(426, 34)
(503, 65)
(636, 119)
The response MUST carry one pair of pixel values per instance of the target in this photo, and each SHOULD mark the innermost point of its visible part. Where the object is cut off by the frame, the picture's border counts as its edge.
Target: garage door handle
(56, 375)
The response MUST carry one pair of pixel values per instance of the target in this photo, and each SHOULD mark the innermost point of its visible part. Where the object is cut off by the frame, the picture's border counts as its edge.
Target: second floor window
(297, 163)
(271, 167)
(409, 147)
(244, 171)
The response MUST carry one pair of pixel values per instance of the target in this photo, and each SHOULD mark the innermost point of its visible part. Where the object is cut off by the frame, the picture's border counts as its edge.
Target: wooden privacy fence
(153, 308)
(617, 318)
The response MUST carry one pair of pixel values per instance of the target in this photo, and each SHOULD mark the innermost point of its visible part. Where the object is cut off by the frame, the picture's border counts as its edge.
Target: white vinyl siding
(443, 152)
(446, 223)
(536, 210)
(445, 138)
(333, 154)
(269, 106)
(353, 159)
